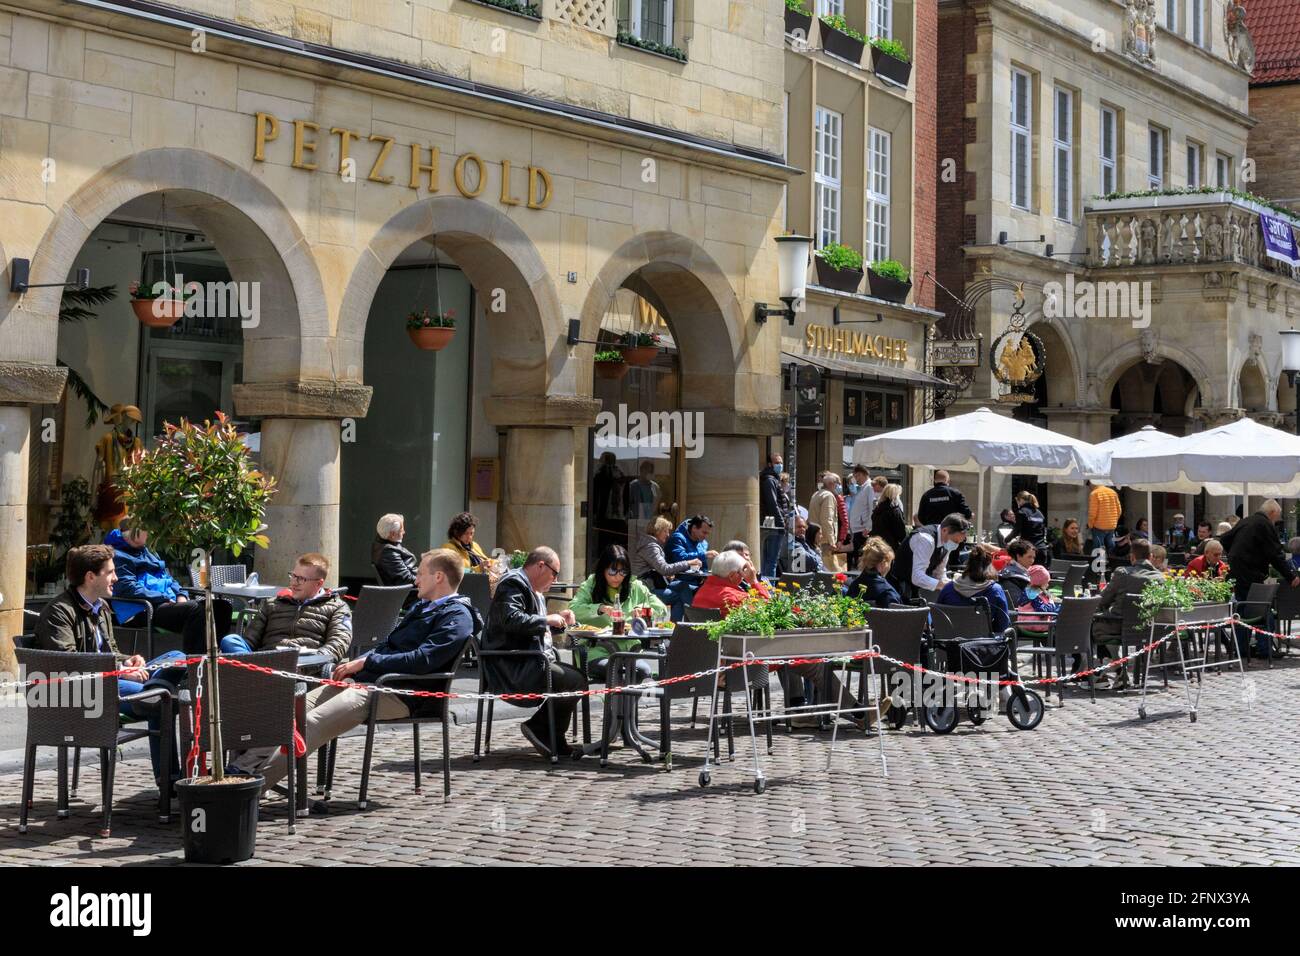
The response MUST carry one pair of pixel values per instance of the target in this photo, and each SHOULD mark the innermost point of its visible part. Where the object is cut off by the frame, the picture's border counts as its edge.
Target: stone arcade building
(547, 169)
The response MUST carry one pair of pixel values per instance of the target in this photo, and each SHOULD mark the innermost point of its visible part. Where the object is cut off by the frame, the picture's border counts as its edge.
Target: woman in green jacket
(592, 604)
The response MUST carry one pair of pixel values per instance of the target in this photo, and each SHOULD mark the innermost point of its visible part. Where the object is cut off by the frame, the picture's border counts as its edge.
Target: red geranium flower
(841, 577)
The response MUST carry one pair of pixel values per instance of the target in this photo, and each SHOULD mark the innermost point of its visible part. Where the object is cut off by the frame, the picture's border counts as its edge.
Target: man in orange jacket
(1103, 516)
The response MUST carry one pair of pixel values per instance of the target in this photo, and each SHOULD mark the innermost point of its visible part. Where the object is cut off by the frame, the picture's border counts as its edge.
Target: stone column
(723, 484)
(301, 441)
(537, 496)
(21, 385)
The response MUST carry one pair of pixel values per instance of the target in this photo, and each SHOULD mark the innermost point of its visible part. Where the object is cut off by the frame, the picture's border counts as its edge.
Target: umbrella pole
(1151, 520)
(979, 505)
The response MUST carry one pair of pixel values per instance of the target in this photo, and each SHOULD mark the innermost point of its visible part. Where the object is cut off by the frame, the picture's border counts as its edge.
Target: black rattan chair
(257, 710)
(139, 635)
(701, 615)
(69, 723)
(1068, 634)
(488, 685)
(1257, 610)
(478, 588)
(899, 633)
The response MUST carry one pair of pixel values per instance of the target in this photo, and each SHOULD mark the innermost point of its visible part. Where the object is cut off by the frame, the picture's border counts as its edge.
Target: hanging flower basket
(639, 348)
(610, 365)
(431, 331)
(158, 313)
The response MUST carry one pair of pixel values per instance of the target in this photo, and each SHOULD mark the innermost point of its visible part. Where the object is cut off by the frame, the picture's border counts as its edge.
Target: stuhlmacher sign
(418, 165)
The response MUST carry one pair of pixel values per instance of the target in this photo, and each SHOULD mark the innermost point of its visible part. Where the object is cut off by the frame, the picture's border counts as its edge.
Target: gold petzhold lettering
(459, 173)
(266, 128)
(346, 136)
(302, 145)
(418, 167)
(374, 176)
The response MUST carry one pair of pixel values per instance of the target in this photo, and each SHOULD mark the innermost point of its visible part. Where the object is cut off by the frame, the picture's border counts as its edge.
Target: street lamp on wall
(1291, 364)
(792, 254)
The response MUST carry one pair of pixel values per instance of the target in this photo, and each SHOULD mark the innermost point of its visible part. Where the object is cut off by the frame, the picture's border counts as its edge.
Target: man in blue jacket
(691, 540)
(427, 640)
(143, 577)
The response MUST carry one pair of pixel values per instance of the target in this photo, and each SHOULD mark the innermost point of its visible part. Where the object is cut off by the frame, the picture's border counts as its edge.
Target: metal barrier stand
(1192, 665)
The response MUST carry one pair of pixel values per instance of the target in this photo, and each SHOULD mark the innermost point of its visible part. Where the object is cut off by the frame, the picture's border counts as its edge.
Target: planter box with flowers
(798, 19)
(890, 280)
(158, 310)
(841, 40)
(431, 331)
(793, 622)
(889, 60)
(610, 364)
(1183, 599)
(639, 348)
(839, 267)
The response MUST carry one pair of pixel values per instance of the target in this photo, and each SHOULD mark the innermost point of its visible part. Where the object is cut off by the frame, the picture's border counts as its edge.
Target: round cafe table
(621, 709)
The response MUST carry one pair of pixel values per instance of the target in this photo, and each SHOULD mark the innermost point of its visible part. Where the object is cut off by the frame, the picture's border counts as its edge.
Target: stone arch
(252, 230)
(1252, 387)
(1118, 362)
(1063, 376)
(691, 291)
(528, 344)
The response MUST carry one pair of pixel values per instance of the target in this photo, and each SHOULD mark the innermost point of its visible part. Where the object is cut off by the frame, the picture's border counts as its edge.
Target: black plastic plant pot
(891, 290)
(798, 24)
(842, 45)
(841, 280)
(219, 819)
(890, 67)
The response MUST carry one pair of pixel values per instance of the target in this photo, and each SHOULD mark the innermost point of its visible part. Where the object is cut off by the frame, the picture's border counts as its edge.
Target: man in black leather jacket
(517, 620)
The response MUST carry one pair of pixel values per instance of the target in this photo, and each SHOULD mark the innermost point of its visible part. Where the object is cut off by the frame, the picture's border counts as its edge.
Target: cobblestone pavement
(1094, 784)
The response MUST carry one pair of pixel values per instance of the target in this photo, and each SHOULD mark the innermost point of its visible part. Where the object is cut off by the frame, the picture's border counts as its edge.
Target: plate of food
(584, 629)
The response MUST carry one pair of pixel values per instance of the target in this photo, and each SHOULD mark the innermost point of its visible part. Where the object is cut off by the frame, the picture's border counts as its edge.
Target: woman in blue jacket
(979, 580)
(872, 585)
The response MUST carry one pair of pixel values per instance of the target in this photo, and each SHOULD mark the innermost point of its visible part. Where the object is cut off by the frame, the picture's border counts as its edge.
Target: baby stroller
(981, 655)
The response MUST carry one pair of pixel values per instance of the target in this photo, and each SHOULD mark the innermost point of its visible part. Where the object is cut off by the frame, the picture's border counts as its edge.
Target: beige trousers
(331, 711)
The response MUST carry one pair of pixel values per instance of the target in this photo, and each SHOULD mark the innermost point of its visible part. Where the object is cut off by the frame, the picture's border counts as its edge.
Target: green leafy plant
(640, 340)
(837, 22)
(789, 609)
(76, 305)
(796, 6)
(431, 320)
(609, 355)
(1288, 214)
(73, 527)
(892, 47)
(514, 6)
(140, 291)
(891, 269)
(840, 257)
(517, 559)
(1182, 591)
(630, 39)
(198, 490)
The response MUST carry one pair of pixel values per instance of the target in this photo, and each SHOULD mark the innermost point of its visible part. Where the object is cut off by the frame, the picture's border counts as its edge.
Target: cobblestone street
(1093, 784)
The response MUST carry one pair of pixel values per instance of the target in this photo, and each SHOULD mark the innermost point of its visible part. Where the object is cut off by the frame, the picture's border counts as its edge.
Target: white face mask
(950, 546)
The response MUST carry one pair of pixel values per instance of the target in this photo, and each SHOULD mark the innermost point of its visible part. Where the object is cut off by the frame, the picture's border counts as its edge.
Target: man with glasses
(518, 621)
(310, 617)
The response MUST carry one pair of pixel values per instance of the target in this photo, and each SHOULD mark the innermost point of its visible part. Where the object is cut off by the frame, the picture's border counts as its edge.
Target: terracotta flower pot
(431, 339)
(158, 313)
(638, 354)
(611, 370)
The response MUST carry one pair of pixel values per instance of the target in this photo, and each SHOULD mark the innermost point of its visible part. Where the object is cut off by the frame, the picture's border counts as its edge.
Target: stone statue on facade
(1147, 242)
(1214, 240)
(1252, 243)
(1149, 341)
(1240, 45)
(1236, 239)
(1140, 30)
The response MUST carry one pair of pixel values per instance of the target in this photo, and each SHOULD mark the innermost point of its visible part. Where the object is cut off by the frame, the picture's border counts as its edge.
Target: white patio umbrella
(1144, 437)
(1234, 459)
(986, 441)
(659, 445)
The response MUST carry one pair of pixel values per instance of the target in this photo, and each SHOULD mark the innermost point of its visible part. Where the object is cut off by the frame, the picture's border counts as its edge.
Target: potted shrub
(840, 39)
(890, 280)
(198, 490)
(1184, 599)
(794, 620)
(839, 267)
(610, 364)
(157, 310)
(639, 348)
(798, 19)
(431, 331)
(890, 61)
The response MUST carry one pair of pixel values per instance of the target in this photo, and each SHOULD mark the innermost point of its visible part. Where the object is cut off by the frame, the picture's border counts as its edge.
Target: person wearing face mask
(774, 513)
(1014, 577)
(922, 563)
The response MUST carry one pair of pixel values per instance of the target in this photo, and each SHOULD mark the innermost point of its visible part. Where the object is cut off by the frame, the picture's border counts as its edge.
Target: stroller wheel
(941, 720)
(976, 715)
(1025, 713)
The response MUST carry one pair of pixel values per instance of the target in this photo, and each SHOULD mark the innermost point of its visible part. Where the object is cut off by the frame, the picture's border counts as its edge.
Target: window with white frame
(1223, 166)
(1196, 18)
(1022, 116)
(826, 174)
(1109, 135)
(1171, 15)
(830, 7)
(881, 14)
(1156, 143)
(1063, 155)
(878, 172)
(650, 20)
(1195, 165)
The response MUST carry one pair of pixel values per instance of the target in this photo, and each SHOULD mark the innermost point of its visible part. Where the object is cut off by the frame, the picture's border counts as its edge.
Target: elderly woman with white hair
(721, 590)
(393, 563)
